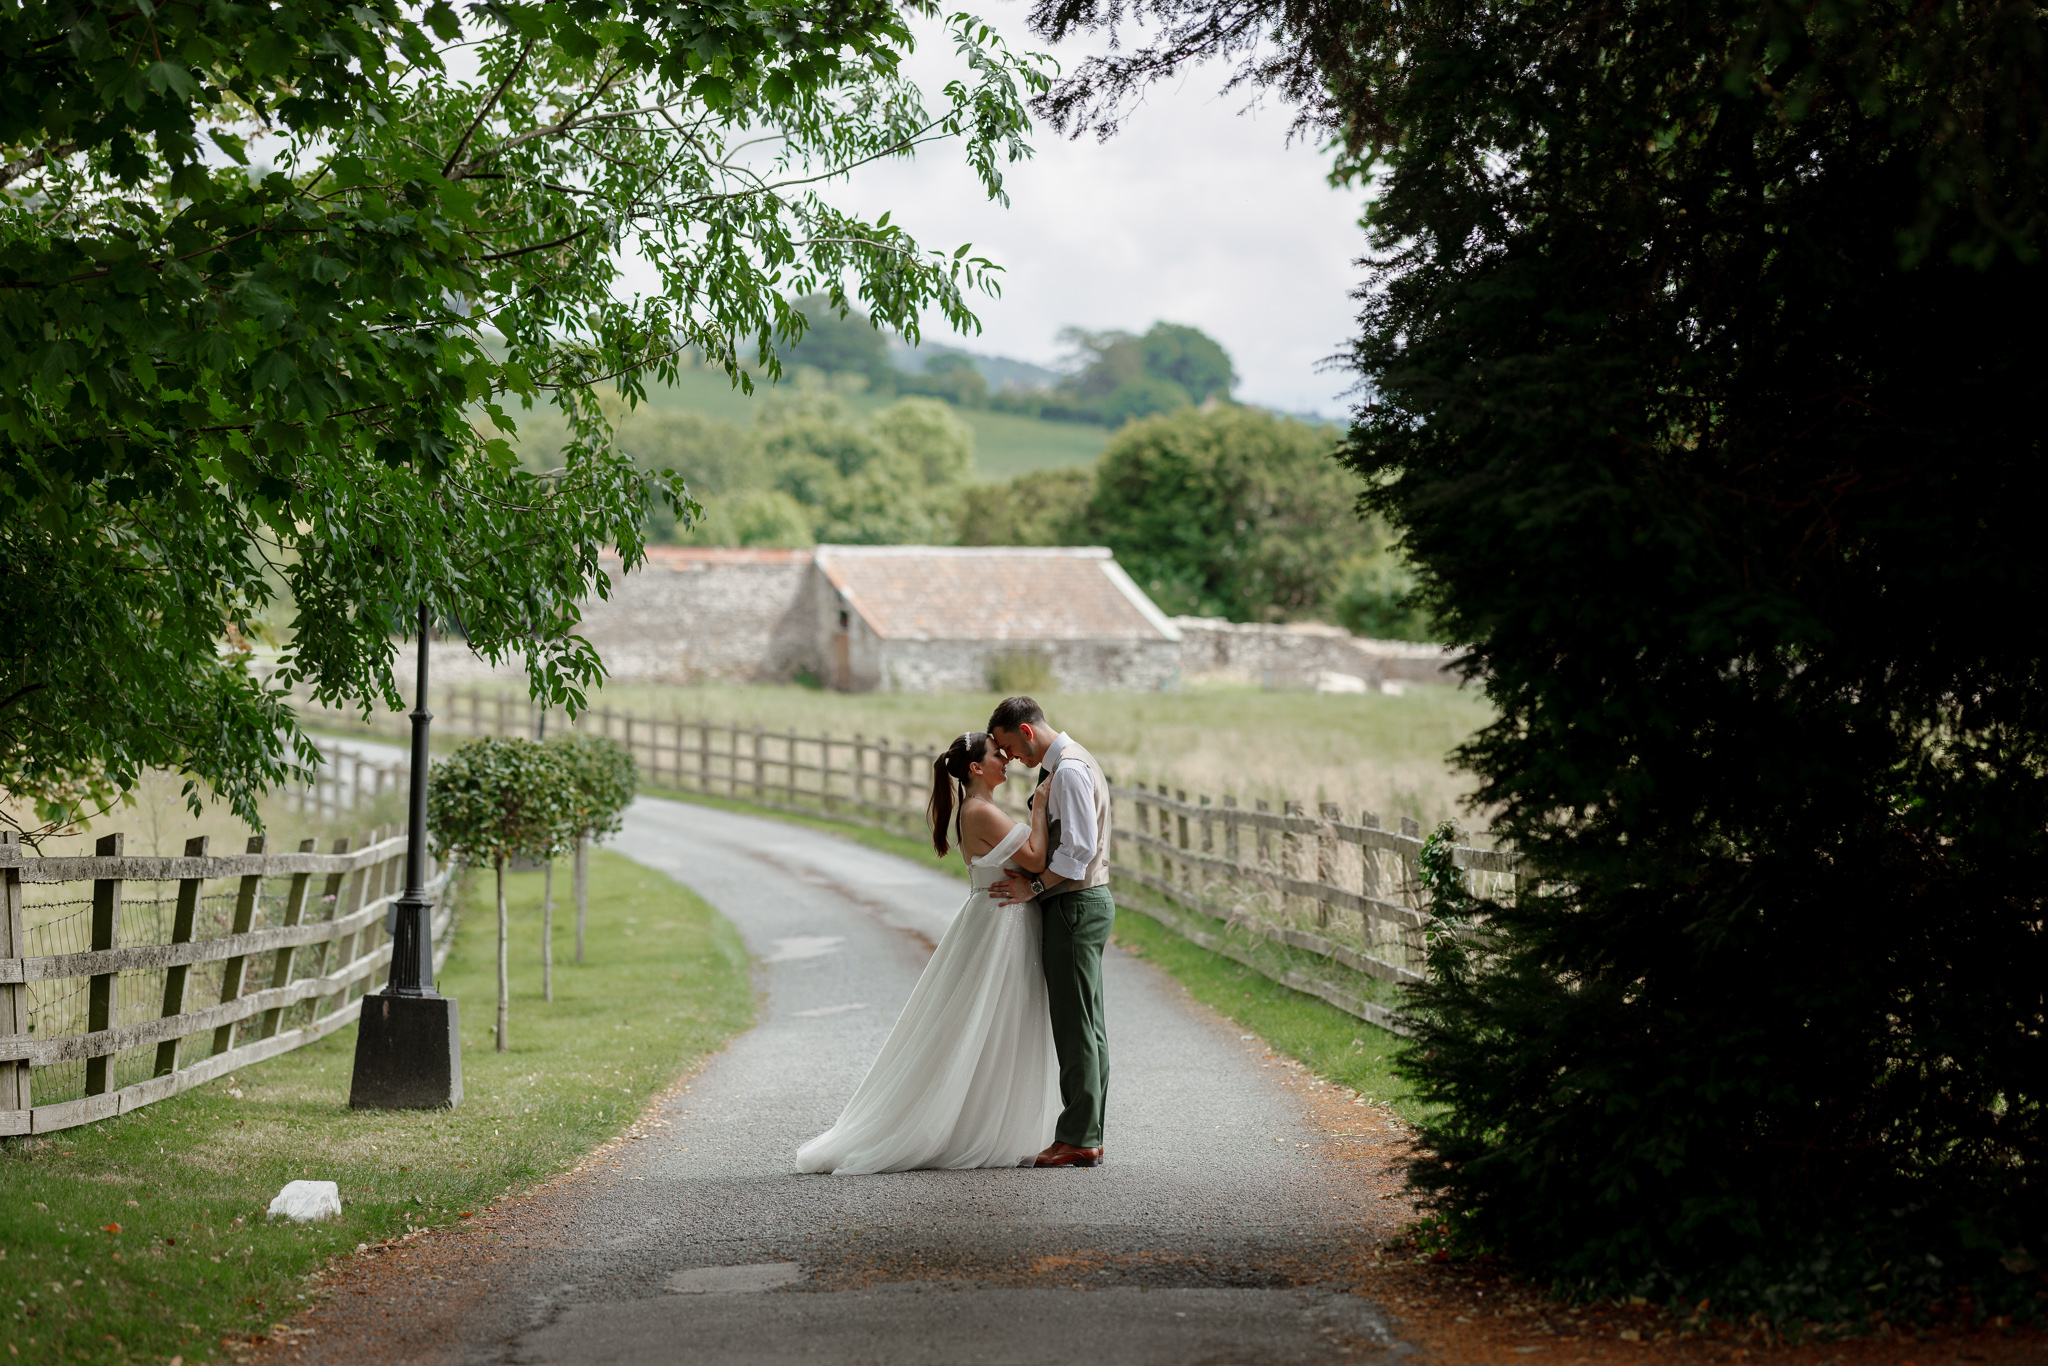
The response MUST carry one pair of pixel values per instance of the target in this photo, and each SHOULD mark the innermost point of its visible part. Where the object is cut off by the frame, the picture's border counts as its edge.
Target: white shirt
(1072, 803)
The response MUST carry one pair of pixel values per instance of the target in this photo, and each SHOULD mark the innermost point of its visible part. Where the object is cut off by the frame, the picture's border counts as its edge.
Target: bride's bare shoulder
(982, 827)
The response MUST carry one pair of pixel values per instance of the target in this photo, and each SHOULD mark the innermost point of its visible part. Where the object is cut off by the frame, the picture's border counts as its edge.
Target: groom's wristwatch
(1038, 886)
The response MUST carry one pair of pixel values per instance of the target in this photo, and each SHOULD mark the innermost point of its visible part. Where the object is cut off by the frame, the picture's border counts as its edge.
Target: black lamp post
(409, 1041)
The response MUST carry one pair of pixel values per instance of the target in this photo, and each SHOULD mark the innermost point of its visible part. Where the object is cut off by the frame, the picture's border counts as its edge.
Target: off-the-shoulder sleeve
(1008, 845)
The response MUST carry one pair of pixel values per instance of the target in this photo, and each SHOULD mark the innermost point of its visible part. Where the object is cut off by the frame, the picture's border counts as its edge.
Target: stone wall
(1306, 655)
(1077, 665)
(758, 616)
(689, 616)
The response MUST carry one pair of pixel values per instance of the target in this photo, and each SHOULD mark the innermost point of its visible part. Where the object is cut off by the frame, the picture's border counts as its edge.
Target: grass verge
(144, 1237)
(1336, 1046)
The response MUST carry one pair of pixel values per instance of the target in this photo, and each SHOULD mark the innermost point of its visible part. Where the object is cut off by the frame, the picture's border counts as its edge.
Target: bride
(968, 1077)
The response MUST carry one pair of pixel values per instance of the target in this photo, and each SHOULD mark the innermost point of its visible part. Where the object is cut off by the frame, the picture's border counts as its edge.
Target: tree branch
(34, 161)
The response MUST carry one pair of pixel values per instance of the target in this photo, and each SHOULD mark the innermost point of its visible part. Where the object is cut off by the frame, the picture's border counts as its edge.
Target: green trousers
(1077, 925)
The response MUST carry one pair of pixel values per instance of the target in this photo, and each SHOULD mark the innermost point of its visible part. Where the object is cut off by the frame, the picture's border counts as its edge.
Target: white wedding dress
(968, 1077)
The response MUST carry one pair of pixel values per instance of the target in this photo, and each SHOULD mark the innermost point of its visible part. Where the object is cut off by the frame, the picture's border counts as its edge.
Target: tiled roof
(921, 592)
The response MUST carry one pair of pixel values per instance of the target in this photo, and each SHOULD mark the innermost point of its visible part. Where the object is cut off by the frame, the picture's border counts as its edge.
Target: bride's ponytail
(949, 771)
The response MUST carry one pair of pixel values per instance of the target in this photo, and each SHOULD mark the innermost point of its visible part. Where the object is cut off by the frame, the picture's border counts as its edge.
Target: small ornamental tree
(603, 779)
(497, 799)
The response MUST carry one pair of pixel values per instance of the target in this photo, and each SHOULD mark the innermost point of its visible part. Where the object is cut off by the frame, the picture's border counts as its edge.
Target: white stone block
(307, 1200)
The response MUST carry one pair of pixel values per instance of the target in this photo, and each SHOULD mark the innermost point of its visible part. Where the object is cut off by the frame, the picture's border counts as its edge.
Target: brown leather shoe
(1067, 1155)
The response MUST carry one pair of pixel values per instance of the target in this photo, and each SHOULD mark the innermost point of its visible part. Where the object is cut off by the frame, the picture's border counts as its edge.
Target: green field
(144, 1238)
(1005, 445)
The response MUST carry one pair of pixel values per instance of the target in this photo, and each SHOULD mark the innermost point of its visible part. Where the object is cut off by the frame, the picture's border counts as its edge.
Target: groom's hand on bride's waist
(1010, 890)
(1016, 889)
(1013, 890)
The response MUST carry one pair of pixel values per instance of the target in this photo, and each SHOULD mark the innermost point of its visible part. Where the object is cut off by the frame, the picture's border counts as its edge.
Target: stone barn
(941, 618)
(918, 618)
(862, 618)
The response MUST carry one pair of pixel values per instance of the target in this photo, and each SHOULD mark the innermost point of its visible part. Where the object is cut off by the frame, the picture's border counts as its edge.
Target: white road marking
(805, 946)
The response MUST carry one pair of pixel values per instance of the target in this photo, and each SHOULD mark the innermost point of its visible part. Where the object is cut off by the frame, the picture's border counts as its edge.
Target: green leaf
(170, 78)
(274, 370)
(231, 144)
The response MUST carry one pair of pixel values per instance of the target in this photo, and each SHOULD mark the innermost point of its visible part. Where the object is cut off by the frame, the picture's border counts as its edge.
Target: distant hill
(1006, 444)
(1001, 372)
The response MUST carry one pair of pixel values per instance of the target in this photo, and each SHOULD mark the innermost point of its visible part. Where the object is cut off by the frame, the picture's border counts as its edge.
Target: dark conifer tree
(1703, 348)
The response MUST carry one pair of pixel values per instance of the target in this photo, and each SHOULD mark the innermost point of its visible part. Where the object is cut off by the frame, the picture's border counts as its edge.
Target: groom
(1073, 895)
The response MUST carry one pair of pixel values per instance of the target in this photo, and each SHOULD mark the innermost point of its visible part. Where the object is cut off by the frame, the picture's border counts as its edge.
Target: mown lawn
(144, 1238)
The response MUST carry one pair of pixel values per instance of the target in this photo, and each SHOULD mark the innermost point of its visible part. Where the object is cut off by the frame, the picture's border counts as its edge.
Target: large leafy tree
(1232, 512)
(1703, 364)
(278, 277)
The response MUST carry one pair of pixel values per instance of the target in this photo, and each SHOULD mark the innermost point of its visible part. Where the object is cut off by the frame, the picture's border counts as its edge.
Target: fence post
(627, 719)
(1410, 882)
(294, 912)
(759, 742)
(106, 934)
(1180, 819)
(1369, 926)
(174, 976)
(860, 773)
(330, 897)
(789, 769)
(14, 1088)
(1265, 836)
(1291, 846)
(825, 772)
(1326, 857)
(1230, 828)
(348, 897)
(1142, 810)
(1208, 835)
(231, 971)
(1163, 822)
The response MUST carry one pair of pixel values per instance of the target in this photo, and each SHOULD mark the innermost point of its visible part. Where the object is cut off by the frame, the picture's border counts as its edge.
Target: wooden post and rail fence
(125, 980)
(1336, 894)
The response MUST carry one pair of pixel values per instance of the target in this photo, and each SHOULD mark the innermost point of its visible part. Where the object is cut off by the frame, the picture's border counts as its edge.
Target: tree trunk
(547, 932)
(504, 962)
(582, 880)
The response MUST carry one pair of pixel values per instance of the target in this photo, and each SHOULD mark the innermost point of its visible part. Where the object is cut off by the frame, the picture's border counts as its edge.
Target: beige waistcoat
(1097, 874)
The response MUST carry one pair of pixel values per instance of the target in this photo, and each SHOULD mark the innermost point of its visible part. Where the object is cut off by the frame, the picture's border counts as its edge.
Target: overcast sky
(1196, 213)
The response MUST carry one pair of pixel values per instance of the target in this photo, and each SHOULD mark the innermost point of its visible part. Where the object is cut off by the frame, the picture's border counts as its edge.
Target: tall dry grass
(1384, 754)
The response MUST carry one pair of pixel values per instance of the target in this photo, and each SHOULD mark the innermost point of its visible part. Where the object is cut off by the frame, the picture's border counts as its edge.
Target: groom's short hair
(1013, 712)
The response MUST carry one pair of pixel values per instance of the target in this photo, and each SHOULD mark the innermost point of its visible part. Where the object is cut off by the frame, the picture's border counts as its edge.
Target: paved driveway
(1214, 1233)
